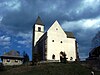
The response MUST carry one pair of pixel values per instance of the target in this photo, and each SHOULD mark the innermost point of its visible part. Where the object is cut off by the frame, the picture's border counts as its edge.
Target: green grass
(54, 69)
(58, 69)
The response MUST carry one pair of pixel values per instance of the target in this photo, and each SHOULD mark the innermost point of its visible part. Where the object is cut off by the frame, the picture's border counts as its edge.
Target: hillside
(50, 69)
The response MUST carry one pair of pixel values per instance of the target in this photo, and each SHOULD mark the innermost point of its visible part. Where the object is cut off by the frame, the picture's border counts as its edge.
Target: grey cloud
(23, 19)
(84, 31)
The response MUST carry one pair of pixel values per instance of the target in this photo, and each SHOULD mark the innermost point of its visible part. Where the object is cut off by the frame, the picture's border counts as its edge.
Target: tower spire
(39, 21)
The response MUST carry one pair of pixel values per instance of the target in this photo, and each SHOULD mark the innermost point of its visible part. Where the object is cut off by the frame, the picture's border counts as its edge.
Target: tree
(96, 40)
(63, 57)
(26, 57)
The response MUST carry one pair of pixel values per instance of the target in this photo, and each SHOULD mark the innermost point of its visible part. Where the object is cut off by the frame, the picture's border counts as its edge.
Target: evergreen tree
(26, 57)
(63, 57)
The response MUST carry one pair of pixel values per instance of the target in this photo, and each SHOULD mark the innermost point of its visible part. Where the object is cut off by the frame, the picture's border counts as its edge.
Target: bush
(1, 67)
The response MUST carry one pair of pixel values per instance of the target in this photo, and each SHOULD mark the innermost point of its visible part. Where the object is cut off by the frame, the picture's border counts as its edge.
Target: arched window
(53, 56)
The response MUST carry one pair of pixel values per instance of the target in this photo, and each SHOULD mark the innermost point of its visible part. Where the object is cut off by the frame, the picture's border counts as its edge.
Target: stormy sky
(82, 17)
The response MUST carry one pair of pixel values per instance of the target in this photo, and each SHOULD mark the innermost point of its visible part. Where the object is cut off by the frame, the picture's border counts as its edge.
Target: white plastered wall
(37, 33)
(12, 62)
(57, 34)
(71, 49)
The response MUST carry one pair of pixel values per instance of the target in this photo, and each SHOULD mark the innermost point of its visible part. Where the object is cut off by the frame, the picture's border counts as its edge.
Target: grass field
(50, 69)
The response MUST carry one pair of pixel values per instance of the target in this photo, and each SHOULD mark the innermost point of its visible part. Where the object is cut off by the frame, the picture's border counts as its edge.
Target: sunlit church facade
(48, 45)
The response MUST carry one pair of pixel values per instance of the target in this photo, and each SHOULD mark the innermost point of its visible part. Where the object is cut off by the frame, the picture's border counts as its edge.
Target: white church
(49, 45)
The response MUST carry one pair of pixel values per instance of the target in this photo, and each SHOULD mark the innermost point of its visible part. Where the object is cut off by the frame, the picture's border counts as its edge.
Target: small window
(53, 56)
(16, 60)
(61, 42)
(39, 29)
(8, 60)
(56, 28)
(52, 40)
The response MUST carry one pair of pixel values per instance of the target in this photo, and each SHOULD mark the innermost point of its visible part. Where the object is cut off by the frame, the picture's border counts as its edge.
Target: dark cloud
(49, 10)
(18, 22)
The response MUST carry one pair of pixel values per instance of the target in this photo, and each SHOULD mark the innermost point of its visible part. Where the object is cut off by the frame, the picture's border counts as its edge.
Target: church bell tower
(38, 31)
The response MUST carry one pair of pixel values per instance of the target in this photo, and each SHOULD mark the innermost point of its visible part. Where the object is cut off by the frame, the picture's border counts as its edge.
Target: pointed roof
(12, 53)
(54, 23)
(39, 21)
